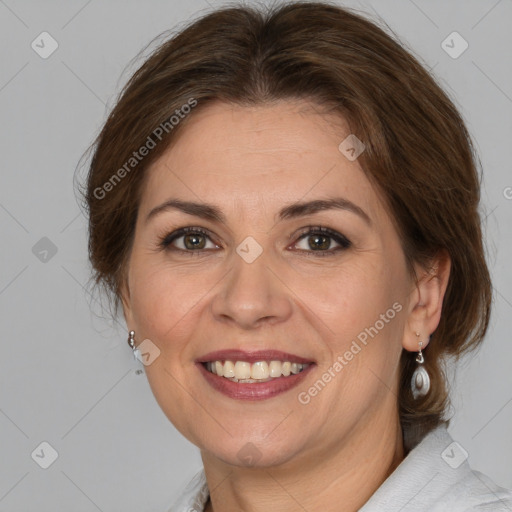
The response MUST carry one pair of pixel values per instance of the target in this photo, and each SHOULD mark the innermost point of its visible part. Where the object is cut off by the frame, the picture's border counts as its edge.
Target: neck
(340, 479)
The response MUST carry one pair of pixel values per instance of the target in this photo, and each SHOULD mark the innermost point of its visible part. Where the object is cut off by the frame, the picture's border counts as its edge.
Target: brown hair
(418, 152)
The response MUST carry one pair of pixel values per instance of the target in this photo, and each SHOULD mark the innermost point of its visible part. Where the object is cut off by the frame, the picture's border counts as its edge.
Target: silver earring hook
(136, 351)
(131, 339)
(419, 357)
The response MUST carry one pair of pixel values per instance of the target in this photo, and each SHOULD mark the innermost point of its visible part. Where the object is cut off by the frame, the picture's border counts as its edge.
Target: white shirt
(434, 477)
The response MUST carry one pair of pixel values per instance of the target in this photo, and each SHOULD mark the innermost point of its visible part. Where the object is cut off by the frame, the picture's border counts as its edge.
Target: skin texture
(334, 452)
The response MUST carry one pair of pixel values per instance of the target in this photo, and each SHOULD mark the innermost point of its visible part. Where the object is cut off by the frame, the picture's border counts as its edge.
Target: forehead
(264, 155)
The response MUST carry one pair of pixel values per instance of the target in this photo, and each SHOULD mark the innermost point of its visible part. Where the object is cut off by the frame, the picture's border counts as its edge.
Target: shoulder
(475, 492)
(435, 476)
(194, 495)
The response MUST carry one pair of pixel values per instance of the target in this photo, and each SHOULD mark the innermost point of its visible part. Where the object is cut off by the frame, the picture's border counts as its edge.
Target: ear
(126, 303)
(427, 301)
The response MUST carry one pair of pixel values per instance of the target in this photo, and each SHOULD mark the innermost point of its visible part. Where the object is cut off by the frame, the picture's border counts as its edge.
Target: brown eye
(194, 241)
(320, 240)
(187, 240)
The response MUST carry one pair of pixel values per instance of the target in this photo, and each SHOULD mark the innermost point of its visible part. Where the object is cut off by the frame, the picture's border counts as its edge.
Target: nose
(251, 295)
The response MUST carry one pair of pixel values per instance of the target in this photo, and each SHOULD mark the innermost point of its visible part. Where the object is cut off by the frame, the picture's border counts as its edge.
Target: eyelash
(344, 243)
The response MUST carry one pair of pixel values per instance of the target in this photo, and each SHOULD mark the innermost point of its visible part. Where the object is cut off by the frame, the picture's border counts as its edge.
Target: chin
(253, 451)
(251, 456)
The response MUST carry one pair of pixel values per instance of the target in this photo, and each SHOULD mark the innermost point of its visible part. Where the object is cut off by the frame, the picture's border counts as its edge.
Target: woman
(285, 205)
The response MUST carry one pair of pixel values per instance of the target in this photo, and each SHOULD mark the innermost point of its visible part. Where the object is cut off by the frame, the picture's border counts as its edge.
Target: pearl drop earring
(420, 382)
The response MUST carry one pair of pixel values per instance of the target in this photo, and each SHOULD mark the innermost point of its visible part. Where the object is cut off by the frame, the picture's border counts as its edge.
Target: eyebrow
(294, 210)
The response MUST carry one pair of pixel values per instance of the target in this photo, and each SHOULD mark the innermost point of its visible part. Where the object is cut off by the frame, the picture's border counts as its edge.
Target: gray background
(67, 376)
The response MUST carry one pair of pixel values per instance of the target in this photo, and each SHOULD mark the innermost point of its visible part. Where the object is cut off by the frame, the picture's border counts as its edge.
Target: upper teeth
(243, 370)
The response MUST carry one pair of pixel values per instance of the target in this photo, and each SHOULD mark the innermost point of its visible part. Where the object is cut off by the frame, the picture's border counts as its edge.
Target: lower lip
(255, 390)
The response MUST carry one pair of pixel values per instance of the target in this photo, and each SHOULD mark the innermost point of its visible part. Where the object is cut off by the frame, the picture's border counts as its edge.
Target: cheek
(163, 307)
(167, 301)
(349, 297)
(363, 308)
(157, 302)
(361, 304)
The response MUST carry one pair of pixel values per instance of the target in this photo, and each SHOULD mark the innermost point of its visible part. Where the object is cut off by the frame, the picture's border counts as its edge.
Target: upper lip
(252, 356)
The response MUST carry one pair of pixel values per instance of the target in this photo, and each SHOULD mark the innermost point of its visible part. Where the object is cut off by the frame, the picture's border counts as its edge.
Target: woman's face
(248, 277)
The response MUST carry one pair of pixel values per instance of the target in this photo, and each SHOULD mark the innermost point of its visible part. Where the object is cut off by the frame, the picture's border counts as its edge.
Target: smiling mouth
(260, 371)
